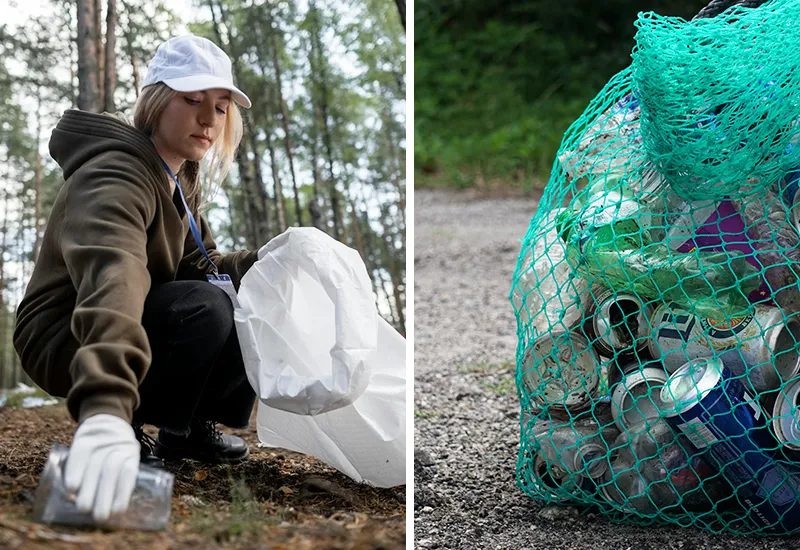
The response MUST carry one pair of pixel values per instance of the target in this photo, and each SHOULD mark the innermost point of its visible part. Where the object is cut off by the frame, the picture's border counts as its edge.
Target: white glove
(102, 465)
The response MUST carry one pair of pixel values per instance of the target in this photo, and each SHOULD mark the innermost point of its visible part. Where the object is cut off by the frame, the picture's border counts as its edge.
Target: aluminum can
(617, 370)
(558, 483)
(561, 372)
(636, 398)
(707, 405)
(617, 323)
(783, 408)
(762, 347)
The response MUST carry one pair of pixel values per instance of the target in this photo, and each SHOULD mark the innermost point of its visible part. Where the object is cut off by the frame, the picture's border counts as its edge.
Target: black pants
(197, 371)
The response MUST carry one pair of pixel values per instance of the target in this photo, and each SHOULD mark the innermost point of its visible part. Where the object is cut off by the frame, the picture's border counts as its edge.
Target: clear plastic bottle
(149, 508)
(608, 241)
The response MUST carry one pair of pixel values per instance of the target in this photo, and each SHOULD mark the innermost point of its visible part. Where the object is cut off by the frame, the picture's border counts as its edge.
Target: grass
(244, 519)
(506, 384)
(502, 388)
(425, 414)
(487, 368)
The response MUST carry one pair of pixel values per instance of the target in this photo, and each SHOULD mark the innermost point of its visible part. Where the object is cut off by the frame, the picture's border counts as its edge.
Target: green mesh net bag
(656, 292)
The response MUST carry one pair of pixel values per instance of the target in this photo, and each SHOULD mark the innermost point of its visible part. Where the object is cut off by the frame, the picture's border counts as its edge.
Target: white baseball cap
(192, 64)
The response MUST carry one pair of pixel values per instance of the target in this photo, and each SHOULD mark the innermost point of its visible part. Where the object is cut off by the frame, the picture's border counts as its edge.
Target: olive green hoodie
(114, 232)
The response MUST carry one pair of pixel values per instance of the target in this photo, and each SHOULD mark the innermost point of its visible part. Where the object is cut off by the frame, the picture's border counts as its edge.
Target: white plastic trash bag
(329, 372)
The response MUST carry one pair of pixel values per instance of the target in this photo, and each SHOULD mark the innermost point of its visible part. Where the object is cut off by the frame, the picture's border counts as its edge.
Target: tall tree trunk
(262, 191)
(394, 163)
(267, 122)
(73, 74)
(98, 25)
(326, 133)
(356, 230)
(38, 174)
(276, 179)
(3, 320)
(88, 92)
(395, 269)
(287, 142)
(226, 190)
(110, 62)
(250, 209)
(401, 8)
(126, 33)
(135, 67)
(241, 157)
(316, 206)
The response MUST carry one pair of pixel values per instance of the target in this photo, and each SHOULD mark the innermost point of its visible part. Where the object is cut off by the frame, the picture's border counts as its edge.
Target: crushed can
(561, 372)
(617, 324)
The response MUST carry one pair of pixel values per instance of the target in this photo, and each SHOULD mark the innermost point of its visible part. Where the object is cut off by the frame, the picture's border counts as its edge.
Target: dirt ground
(466, 426)
(276, 500)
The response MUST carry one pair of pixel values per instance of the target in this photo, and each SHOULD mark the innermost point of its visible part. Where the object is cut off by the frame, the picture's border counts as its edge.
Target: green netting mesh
(656, 294)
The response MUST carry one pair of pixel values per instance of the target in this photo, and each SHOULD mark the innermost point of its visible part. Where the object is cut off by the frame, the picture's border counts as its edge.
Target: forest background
(497, 82)
(324, 143)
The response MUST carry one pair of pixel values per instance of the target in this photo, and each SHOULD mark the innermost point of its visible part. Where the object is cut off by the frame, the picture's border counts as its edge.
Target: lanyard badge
(222, 281)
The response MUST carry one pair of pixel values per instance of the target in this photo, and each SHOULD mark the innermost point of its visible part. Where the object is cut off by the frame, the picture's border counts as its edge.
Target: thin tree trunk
(241, 157)
(401, 8)
(88, 92)
(394, 163)
(3, 312)
(110, 77)
(316, 206)
(356, 231)
(129, 49)
(262, 191)
(250, 211)
(231, 211)
(326, 134)
(279, 205)
(395, 270)
(73, 74)
(98, 25)
(284, 119)
(38, 172)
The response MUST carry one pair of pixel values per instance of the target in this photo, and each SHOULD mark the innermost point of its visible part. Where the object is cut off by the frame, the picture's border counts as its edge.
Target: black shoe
(205, 444)
(148, 445)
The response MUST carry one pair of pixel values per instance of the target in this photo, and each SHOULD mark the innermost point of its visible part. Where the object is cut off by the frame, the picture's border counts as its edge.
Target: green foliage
(498, 83)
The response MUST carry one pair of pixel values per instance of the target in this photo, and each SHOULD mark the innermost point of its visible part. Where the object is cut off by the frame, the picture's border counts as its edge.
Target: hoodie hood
(80, 136)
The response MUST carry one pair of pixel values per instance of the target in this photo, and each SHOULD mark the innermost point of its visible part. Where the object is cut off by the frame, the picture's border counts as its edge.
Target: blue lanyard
(192, 224)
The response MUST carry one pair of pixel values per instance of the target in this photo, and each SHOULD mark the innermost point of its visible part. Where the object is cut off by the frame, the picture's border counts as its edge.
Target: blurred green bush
(496, 83)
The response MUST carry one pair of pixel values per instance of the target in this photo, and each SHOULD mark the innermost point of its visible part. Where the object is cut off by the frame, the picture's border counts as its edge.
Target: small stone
(555, 513)
(427, 510)
(424, 457)
(192, 501)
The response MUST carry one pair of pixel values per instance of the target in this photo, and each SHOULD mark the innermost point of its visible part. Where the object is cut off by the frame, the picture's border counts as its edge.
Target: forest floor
(276, 500)
(466, 426)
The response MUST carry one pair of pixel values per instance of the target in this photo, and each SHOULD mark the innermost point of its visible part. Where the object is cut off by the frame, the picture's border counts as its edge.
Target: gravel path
(466, 410)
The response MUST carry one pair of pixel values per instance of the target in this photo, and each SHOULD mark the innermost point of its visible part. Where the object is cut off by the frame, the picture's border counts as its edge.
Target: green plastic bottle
(606, 241)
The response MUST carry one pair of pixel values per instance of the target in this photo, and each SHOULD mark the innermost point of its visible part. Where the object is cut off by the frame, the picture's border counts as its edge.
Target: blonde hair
(149, 106)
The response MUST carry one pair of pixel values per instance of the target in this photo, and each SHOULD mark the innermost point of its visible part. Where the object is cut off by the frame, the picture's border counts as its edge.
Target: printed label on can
(779, 486)
(677, 326)
(751, 402)
(722, 329)
(698, 433)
